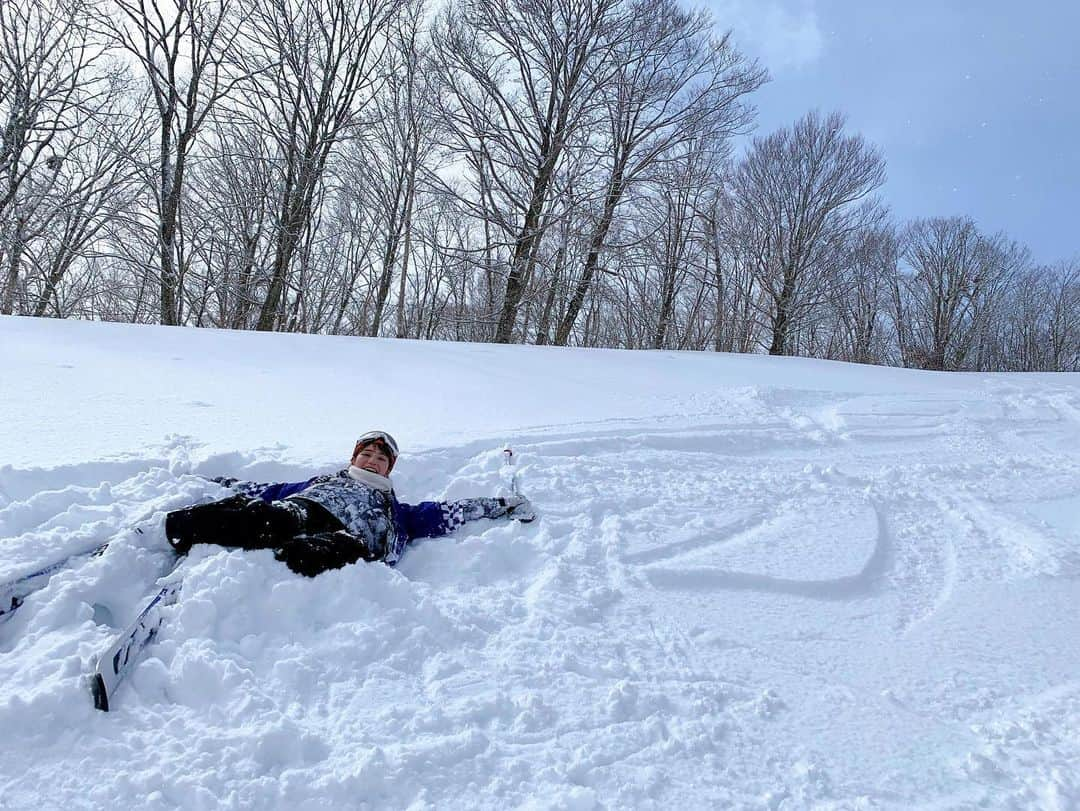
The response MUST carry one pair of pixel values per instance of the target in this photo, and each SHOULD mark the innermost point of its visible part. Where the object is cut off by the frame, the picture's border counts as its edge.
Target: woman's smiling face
(373, 458)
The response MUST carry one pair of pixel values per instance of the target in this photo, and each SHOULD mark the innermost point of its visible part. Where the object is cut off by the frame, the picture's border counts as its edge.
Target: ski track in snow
(754, 612)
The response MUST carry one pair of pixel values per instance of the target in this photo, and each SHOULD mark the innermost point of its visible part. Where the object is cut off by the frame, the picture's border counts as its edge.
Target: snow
(760, 583)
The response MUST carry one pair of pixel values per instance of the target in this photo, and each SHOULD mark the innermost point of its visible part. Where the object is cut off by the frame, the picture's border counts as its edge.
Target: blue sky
(976, 105)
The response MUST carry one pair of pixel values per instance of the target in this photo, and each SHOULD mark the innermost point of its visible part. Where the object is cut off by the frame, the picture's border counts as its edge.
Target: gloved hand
(301, 558)
(519, 508)
(310, 555)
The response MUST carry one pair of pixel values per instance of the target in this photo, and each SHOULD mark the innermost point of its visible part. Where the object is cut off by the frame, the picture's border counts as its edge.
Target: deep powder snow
(755, 582)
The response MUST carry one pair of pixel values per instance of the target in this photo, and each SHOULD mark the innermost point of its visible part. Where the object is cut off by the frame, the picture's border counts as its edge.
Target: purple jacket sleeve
(276, 492)
(431, 519)
(272, 491)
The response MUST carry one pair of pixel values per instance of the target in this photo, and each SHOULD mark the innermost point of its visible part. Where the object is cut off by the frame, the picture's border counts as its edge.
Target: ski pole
(508, 458)
(523, 511)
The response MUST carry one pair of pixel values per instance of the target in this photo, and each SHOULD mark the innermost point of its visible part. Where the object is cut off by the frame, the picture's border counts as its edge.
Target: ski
(14, 592)
(120, 657)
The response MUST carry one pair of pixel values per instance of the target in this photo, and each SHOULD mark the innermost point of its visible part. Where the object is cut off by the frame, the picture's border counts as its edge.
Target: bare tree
(676, 240)
(671, 80)
(184, 48)
(351, 258)
(395, 151)
(234, 182)
(955, 277)
(315, 67)
(439, 239)
(860, 295)
(53, 76)
(728, 258)
(1037, 325)
(521, 78)
(798, 193)
(566, 247)
(1063, 323)
(95, 184)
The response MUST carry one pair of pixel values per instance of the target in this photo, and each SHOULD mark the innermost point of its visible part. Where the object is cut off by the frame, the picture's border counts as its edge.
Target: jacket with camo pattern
(376, 518)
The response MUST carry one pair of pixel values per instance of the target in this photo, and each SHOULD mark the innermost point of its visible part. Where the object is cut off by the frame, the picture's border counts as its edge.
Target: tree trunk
(524, 253)
(56, 273)
(782, 318)
(172, 178)
(14, 259)
(296, 206)
(596, 244)
(410, 196)
(667, 307)
(544, 325)
(720, 344)
(268, 315)
(382, 292)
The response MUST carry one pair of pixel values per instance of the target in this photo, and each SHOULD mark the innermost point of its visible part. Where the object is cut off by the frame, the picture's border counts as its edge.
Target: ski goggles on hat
(380, 436)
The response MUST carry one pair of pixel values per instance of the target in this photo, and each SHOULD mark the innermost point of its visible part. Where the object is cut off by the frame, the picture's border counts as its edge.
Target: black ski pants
(309, 540)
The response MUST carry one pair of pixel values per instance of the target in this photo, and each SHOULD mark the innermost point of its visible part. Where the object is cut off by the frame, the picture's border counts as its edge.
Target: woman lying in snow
(330, 521)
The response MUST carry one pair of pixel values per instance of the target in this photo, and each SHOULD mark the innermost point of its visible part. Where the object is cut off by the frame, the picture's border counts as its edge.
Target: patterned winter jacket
(375, 517)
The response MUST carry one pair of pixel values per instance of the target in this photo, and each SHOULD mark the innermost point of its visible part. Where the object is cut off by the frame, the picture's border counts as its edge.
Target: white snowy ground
(755, 582)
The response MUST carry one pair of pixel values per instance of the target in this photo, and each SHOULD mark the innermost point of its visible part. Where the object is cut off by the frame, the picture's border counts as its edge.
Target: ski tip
(101, 695)
(9, 611)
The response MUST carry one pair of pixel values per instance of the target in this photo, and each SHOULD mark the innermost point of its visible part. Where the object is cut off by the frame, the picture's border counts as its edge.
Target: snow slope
(756, 582)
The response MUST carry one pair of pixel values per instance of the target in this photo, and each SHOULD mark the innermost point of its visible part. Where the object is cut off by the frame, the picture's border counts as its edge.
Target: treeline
(533, 171)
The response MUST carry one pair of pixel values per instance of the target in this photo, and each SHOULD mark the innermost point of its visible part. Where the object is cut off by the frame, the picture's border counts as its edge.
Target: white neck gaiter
(381, 483)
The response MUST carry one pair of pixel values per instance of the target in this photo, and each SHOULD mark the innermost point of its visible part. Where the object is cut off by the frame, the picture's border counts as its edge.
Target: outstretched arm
(431, 519)
(267, 491)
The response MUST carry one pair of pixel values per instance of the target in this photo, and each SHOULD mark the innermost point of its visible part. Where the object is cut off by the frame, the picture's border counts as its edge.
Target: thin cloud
(785, 35)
